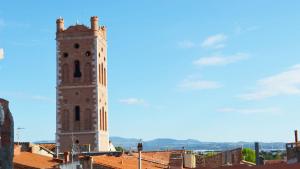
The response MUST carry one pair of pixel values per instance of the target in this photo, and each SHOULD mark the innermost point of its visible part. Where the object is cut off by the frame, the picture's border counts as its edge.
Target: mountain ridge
(189, 144)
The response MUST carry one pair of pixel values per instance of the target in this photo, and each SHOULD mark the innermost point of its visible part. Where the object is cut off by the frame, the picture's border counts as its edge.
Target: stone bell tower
(82, 108)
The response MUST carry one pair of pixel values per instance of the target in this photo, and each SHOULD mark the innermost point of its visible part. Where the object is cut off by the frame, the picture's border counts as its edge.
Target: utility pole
(140, 149)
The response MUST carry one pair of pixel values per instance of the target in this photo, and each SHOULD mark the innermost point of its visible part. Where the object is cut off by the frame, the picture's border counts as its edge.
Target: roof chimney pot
(66, 157)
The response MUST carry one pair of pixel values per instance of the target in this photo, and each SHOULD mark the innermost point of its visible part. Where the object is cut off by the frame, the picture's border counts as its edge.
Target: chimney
(94, 23)
(296, 136)
(66, 157)
(87, 162)
(17, 150)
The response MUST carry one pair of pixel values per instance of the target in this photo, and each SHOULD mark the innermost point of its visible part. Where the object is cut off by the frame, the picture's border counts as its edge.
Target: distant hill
(189, 144)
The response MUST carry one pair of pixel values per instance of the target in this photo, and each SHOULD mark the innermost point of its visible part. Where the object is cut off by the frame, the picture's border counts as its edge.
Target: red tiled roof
(156, 156)
(125, 162)
(48, 146)
(34, 160)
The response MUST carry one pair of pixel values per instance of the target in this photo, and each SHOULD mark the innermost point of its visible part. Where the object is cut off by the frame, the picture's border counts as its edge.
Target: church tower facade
(81, 91)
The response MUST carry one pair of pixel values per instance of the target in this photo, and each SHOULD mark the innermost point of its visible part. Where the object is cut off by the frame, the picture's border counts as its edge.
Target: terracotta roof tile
(158, 156)
(34, 160)
(125, 162)
(48, 146)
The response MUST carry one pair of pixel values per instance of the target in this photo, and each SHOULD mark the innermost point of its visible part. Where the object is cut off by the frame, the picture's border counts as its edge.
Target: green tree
(249, 155)
(119, 148)
(210, 154)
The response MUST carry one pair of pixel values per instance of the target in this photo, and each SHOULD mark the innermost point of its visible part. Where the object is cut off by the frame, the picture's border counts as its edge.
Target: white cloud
(132, 101)
(1, 53)
(214, 41)
(250, 111)
(219, 59)
(186, 44)
(190, 84)
(284, 83)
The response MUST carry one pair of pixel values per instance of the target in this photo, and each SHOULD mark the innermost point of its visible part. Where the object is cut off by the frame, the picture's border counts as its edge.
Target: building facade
(82, 108)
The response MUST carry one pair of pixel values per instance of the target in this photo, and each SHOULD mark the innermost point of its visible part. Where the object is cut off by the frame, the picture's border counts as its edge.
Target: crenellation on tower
(82, 86)
(94, 23)
(60, 25)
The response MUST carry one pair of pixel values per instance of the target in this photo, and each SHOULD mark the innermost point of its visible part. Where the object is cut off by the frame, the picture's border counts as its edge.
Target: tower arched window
(102, 122)
(102, 74)
(77, 72)
(105, 77)
(77, 113)
(105, 121)
(100, 115)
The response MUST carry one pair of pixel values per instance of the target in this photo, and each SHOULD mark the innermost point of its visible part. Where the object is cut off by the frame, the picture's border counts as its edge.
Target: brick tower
(81, 110)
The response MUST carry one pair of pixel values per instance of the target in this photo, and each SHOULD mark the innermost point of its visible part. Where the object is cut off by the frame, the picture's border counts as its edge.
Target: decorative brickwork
(82, 108)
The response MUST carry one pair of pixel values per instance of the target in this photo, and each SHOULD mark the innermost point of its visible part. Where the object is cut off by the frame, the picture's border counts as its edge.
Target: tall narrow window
(77, 72)
(102, 80)
(105, 119)
(100, 73)
(104, 77)
(77, 113)
(100, 119)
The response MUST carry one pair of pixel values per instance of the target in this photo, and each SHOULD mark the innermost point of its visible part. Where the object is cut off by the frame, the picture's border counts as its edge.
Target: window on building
(102, 122)
(77, 113)
(100, 114)
(65, 55)
(77, 72)
(102, 74)
(88, 53)
(76, 45)
(104, 77)
(105, 121)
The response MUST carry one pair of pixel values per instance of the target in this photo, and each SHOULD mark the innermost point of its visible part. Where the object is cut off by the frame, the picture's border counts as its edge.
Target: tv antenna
(19, 133)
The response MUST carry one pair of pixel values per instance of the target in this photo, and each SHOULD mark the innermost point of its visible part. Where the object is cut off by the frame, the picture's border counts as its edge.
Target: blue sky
(208, 70)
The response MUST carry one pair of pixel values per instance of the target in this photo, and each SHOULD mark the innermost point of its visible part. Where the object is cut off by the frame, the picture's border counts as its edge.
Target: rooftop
(126, 162)
(34, 160)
